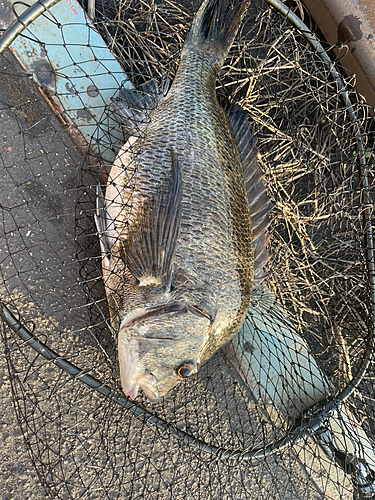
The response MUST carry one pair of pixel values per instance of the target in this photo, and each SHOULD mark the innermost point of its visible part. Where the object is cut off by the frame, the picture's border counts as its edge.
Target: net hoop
(321, 412)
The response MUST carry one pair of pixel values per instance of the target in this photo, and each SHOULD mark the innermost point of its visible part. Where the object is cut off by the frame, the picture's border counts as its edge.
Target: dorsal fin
(259, 202)
(133, 106)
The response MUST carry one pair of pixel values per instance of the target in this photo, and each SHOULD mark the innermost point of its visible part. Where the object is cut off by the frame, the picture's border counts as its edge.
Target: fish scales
(216, 220)
(175, 224)
(215, 242)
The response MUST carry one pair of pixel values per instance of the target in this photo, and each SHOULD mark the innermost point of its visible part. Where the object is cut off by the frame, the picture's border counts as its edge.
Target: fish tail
(215, 26)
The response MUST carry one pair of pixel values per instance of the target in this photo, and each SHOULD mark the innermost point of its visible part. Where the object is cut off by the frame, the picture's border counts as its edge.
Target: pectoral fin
(151, 244)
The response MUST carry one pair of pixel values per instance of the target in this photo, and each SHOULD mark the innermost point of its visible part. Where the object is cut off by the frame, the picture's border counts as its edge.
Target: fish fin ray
(152, 240)
(216, 24)
(133, 107)
(259, 202)
(100, 217)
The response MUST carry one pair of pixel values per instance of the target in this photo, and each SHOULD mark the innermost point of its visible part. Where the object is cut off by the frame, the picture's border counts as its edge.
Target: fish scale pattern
(213, 264)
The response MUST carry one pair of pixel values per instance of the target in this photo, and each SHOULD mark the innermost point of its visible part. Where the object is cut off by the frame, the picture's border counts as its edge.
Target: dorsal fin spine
(259, 203)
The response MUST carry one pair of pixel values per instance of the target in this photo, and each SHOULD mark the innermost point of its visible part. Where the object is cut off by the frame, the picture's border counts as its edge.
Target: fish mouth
(132, 374)
(148, 384)
(157, 339)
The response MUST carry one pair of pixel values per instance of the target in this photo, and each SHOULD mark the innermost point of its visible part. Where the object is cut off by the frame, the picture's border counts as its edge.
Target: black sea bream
(183, 222)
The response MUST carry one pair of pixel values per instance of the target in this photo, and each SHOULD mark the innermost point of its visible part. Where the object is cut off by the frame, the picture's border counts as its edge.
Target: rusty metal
(350, 24)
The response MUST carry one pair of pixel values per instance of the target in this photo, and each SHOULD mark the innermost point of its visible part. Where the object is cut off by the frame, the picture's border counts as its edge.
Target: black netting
(264, 417)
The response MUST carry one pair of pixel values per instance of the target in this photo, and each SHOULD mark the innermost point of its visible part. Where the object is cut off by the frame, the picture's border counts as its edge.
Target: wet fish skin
(175, 223)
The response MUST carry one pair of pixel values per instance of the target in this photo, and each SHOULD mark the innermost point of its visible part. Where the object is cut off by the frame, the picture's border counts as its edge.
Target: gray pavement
(33, 147)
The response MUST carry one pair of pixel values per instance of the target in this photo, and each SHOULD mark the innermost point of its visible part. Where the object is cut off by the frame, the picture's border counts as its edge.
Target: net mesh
(307, 329)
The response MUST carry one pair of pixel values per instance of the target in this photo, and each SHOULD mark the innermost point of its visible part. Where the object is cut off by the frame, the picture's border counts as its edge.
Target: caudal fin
(216, 24)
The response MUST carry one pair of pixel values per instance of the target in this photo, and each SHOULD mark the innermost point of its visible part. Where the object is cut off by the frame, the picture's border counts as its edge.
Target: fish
(183, 220)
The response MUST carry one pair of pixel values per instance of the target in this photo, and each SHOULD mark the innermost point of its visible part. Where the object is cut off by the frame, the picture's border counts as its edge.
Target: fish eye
(187, 369)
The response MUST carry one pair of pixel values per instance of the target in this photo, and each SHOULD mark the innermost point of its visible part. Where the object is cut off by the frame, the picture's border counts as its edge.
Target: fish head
(158, 352)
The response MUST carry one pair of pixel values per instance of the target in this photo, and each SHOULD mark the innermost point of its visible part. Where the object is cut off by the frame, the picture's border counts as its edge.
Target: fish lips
(177, 306)
(132, 373)
(149, 386)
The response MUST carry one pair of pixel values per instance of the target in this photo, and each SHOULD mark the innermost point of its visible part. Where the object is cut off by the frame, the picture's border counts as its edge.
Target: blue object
(76, 72)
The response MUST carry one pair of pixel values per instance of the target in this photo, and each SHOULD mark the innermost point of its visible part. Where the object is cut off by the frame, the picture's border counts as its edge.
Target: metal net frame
(286, 410)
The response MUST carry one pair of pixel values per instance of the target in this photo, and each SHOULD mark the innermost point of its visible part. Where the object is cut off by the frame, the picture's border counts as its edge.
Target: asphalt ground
(33, 145)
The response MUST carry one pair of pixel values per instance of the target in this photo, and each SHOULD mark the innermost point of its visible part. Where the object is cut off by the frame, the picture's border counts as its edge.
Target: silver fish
(183, 223)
